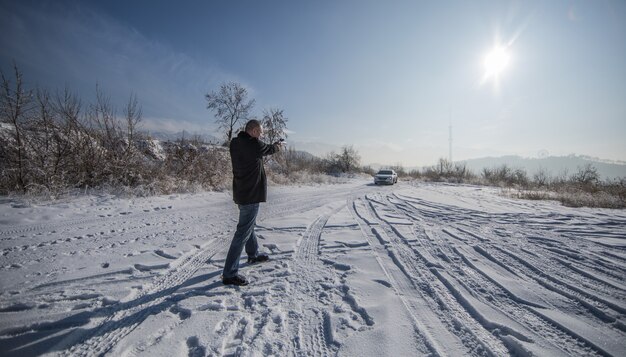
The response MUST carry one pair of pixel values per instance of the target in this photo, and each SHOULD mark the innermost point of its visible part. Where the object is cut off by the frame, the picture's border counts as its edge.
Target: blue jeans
(244, 236)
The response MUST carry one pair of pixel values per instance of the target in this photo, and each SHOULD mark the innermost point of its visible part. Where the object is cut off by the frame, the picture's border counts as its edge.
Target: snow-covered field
(356, 270)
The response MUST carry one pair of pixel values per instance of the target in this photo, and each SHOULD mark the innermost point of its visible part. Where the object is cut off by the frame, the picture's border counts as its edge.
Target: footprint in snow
(162, 254)
(145, 268)
(383, 282)
(182, 313)
(217, 305)
(80, 306)
(17, 307)
(194, 349)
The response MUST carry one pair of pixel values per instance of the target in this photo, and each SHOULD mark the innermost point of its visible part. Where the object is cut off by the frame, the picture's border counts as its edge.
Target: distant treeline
(582, 188)
(53, 143)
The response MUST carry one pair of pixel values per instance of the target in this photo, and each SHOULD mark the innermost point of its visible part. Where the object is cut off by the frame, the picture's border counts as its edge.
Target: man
(249, 189)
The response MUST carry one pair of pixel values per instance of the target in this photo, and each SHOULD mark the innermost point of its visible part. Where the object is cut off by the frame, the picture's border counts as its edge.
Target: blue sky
(385, 76)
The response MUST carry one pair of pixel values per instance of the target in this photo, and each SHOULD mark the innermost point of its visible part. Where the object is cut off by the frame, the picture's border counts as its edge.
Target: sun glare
(496, 61)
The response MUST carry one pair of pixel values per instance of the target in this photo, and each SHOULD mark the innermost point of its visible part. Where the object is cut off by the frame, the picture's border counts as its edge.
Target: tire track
(123, 318)
(475, 338)
(304, 261)
(536, 326)
(433, 310)
(561, 337)
(570, 283)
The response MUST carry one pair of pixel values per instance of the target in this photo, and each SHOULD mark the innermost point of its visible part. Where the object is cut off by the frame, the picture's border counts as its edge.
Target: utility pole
(450, 139)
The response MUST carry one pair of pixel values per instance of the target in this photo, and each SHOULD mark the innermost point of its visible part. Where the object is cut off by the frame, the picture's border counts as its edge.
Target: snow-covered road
(356, 270)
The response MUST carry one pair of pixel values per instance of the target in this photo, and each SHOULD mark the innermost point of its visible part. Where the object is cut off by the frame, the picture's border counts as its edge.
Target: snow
(412, 269)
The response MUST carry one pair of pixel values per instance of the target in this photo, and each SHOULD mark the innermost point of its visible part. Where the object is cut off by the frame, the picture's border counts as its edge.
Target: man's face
(257, 132)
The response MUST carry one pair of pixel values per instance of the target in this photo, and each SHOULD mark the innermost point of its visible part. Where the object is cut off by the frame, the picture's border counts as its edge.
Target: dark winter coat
(249, 181)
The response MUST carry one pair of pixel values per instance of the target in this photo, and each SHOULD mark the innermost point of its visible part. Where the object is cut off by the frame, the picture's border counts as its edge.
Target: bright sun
(496, 61)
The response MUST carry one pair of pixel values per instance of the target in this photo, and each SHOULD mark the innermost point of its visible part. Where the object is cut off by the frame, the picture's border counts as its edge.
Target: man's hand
(280, 144)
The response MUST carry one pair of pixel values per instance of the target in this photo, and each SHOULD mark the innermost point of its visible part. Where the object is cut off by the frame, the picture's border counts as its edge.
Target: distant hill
(553, 165)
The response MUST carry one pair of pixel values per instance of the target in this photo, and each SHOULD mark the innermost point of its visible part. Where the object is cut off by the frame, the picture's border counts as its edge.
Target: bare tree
(444, 167)
(347, 160)
(73, 139)
(132, 116)
(15, 105)
(41, 139)
(446, 170)
(541, 178)
(586, 175)
(274, 124)
(399, 169)
(231, 105)
(103, 117)
(130, 166)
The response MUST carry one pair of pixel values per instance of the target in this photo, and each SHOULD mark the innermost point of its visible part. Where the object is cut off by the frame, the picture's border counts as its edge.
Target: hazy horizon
(320, 150)
(389, 78)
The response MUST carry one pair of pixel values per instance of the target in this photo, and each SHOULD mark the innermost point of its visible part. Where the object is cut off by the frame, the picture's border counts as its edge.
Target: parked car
(388, 177)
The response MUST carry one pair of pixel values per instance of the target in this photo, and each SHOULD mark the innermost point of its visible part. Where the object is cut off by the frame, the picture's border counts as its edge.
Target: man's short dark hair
(252, 124)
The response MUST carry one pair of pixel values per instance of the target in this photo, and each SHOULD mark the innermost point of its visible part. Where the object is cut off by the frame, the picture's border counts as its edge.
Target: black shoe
(258, 259)
(235, 280)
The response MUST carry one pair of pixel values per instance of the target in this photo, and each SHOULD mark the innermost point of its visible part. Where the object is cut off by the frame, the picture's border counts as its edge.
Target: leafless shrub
(561, 179)
(399, 169)
(505, 176)
(415, 174)
(587, 199)
(301, 164)
(368, 170)
(209, 166)
(462, 173)
(304, 177)
(583, 190)
(534, 195)
(587, 178)
(446, 171)
(541, 178)
(346, 161)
